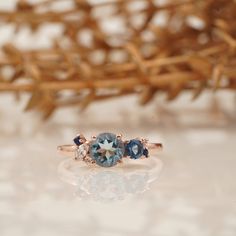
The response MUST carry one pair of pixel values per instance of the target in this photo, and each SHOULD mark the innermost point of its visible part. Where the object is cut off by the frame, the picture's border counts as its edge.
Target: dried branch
(192, 49)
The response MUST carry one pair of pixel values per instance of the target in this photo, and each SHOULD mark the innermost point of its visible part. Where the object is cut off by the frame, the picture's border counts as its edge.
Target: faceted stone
(106, 150)
(77, 140)
(134, 149)
(146, 152)
(82, 151)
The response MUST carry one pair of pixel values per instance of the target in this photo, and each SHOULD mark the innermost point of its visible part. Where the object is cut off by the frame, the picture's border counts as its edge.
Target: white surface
(193, 193)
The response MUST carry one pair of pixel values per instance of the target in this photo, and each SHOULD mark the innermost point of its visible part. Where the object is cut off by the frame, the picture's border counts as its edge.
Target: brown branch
(142, 58)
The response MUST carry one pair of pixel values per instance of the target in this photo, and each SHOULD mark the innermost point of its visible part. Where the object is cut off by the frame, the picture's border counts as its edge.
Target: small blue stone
(146, 152)
(77, 140)
(134, 149)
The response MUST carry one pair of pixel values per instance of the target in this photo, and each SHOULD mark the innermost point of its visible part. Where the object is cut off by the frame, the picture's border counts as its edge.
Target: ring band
(107, 149)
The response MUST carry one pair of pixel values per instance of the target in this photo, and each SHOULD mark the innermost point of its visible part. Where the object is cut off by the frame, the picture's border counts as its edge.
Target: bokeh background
(188, 189)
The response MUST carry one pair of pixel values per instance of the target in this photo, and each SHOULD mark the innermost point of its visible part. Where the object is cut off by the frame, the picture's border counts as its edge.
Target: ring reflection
(109, 184)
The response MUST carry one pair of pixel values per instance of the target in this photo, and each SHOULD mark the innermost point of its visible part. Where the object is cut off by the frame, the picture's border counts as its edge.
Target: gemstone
(82, 151)
(146, 152)
(79, 139)
(106, 150)
(134, 149)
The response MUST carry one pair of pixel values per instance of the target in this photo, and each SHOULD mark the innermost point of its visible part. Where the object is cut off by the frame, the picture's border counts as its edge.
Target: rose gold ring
(108, 149)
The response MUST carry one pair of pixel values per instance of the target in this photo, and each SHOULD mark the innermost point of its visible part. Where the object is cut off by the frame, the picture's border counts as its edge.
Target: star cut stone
(106, 150)
(134, 148)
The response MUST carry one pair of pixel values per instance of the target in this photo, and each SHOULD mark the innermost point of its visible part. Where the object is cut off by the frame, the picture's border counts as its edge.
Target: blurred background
(164, 70)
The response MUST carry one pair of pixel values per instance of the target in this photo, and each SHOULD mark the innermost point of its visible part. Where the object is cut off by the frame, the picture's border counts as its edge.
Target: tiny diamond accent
(82, 151)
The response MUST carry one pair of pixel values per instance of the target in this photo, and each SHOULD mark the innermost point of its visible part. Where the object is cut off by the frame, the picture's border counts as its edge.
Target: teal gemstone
(134, 149)
(106, 150)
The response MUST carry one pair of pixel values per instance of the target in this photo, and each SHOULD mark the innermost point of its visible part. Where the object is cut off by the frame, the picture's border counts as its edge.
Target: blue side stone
(106, 150)
(77, 140)
(134, 149)
(146, 152)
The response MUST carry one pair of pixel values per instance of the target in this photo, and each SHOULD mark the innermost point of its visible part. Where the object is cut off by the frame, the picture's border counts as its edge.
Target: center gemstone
(107, 149)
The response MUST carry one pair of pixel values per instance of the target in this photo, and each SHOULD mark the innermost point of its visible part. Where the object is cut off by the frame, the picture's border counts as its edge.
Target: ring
(108, 149)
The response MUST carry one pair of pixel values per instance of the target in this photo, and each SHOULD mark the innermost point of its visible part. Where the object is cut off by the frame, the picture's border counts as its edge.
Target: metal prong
(81, 136)
(144, 140)
(119, 136)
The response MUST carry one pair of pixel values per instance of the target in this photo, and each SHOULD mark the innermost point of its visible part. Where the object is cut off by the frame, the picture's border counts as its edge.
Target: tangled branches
(114, 48)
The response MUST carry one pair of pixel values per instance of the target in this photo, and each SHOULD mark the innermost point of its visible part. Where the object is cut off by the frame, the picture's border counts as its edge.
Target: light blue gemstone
(107, 150)
(134, 149)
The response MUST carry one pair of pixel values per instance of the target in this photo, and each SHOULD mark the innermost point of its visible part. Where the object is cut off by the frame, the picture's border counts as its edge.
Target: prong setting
(144, 140)
(119, 136)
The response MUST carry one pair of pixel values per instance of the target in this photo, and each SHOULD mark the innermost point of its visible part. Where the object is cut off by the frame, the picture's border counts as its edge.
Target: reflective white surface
(110, 184)
(190, 191)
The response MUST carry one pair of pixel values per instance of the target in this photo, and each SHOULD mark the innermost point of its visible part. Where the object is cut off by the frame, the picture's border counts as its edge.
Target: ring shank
(67, 150)
(153, 146)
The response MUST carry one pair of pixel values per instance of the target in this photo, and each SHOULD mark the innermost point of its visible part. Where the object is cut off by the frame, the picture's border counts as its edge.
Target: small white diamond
(82, 151)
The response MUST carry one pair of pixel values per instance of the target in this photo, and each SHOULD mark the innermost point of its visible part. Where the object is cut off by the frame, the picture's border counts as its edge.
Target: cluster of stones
(108, 149)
